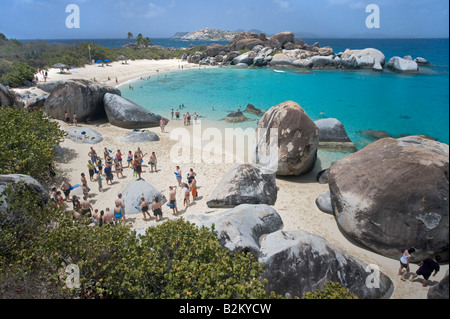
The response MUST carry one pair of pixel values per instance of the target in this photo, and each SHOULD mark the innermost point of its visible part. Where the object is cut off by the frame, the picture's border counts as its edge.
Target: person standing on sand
(118, 214)
(187, 193)
(162, 124)
(67, 118)
(144, 208)
(119, 158)
(65, 187)
(119, 201)
(52, 172)
(157, 209)
(404, 263)
(172, 114)
(178, 175)
(137, 165)
(99, 181)
(108, 217)
(93, 155)
(91, 170)
(129, 158)
(86, 207)
(173, 199)
(75, 119)
(193, 188)
(426, 267)
(177, 115)
(153, 161)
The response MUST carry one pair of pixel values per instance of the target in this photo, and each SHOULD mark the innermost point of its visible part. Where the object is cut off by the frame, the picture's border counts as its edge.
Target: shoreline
(296, 196)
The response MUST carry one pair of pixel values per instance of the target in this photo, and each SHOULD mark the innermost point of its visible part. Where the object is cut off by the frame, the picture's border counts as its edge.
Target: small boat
(279, 71)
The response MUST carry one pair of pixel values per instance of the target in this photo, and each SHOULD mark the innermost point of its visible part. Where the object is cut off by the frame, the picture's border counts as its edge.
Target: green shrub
(331, 290)
(20, 73)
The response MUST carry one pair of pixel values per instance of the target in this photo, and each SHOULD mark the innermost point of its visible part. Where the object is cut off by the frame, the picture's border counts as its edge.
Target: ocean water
(399, 104)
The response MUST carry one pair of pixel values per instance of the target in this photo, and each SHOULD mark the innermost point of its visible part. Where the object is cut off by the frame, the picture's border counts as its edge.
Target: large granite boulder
(439, 291)
(332, 134)
(286, 140)
(252, 109)
(394, 194)
(399, 64)
(246, 58)
(134, 191)
(279, 40)
(124, 113)
(324, 203)
(247, 44)
(7, 98)
(363, 59)
(241, 227)
(78, 96)
(214, 49)
(282, 59)
(48, 87)
(12, 179)
(298, 262)
(244, 184)
(84, 135)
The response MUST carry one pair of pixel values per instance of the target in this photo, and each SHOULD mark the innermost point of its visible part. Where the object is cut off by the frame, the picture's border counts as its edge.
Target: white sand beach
(296, 196)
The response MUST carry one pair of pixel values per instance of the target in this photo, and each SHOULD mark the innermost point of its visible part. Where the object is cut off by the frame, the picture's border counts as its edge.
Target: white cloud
(282, 4)
(352, 4)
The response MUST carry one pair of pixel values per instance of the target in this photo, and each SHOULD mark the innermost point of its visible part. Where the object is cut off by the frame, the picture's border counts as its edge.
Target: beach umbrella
(107, 60)
(60, 65)
(99, 61)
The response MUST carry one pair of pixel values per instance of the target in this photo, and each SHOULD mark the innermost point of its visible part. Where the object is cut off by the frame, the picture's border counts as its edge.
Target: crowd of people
(187, 117)
(99, 167)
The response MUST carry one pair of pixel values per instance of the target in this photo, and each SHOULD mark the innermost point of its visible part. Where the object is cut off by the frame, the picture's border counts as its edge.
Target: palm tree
(130, 35)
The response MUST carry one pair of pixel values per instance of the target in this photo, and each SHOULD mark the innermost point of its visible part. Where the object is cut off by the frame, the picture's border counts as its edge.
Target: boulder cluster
(282, 49)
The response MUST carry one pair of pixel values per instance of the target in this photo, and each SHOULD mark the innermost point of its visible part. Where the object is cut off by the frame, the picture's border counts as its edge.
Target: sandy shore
(296, 196)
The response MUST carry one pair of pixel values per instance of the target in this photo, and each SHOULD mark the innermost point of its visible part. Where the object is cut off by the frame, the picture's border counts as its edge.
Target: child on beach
(129, 158)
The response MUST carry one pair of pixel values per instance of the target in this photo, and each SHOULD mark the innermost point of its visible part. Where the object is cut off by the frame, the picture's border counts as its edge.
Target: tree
(27, 141)
(331, 290)
(130, 35)
(20, 73)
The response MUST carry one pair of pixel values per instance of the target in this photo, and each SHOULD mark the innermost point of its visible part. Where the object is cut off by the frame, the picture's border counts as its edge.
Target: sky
(46, 19)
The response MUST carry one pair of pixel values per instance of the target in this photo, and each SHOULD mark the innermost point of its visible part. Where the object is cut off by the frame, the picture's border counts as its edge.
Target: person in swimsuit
(157, 209)
(404, 263)
(93, 155)
(144, 208)
(118, 216)
(67, 117)
(193, 187)
(186, 195)
(129, 158)
(118, 169)
(91, 169)
(173, 199)
(52, 172)
(108, 217)
(119, 158)
(178, 175)
(137, 164)
(86, 207)
(75, 119)
(153, 161)
(65, 187)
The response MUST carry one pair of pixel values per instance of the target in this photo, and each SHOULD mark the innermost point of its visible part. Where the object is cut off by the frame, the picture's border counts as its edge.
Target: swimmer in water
(322, 113)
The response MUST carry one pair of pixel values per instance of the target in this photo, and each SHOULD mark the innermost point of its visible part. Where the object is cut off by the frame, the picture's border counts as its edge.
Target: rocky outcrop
(363, 59)
(235, 117)
(402, 65)
(332, 134)
(421, 61)
(293, 149)
(84, 135)
(241, 227)
(210, 35)
(124, 113)
(244, 184)
(13, 179)
(48, 87)
(298, 262)
(394, 194)
(134, 191)
(78, 96)
(7, 98)
(252, 109)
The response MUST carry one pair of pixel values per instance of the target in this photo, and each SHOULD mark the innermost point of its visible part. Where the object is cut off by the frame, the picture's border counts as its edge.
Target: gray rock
(439, 291)
(363, 59)
(246, 58)
(294, 150)
(244, 184)
(133, 193)
(236, 117)
(7, 180)
(393, 194)
(140, 137)
(422, 61)
(241, 65)
(323, 202)
(252, 109)
(78, 96)
(402, 65)
(332, 134)
(279, 40)
(322, 176)
(322, 62)
(281, 59)
(241, 227)
(84, 135)
(7, 98)
(127, 114)
(48, 87)
(298, 262)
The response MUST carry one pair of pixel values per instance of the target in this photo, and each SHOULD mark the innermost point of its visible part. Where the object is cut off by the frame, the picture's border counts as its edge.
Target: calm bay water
(399, 104)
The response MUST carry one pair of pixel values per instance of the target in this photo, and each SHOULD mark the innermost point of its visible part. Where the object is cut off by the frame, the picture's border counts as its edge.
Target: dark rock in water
(133, 193)
(7, 180)
(7, 98)
(422, 61)
(394, 194)
(323, 202)
(440, 291)
(252, 109)
(241, 227)
(236, 117)
(127, 114)
(374, 134)
(78, 96)
(298, 262)
(84, 135)
(140, 137)
(296, 142)
(244, 184)
(332, 134)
